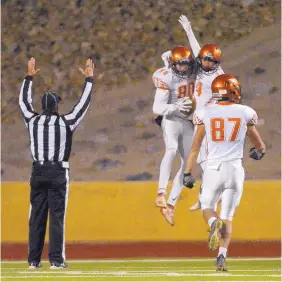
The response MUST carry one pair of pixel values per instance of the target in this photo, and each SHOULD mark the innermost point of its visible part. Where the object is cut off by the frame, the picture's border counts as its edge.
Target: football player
(208, 68)
(173, 101)
(225, 125)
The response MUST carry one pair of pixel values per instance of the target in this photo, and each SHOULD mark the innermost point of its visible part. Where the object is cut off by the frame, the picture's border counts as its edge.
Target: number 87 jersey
(226, 127)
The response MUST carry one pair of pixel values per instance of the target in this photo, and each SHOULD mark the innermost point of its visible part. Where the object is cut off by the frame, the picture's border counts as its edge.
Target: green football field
(259, 269)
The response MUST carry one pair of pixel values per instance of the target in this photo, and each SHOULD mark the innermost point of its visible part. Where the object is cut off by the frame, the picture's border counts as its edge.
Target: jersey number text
(218, 129)
(186, 90)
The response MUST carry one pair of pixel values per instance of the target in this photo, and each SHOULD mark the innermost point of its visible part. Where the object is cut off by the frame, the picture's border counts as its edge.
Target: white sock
(223, 251)
(211, 220)
(177, 184)
(161, 191)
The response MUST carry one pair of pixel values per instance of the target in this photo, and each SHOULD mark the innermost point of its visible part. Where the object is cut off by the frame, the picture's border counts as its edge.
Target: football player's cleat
(221, 263)
(196, 206)
(215, 234)
(161, 201)
(168, 213)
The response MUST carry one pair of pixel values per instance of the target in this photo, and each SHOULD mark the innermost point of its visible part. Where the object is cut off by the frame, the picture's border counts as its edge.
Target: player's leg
(231, 197)
(184, 145)
(211, 190)
(201, 160)
(170, 133)
(197, 205)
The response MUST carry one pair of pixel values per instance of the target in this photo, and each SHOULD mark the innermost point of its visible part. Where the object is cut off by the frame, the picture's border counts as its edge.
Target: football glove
(185, 23)
(184, 106)
(189, 181)
(158, 120)
(255, 154)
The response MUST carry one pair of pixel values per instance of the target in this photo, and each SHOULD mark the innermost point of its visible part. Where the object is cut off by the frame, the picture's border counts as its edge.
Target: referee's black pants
(49, 192)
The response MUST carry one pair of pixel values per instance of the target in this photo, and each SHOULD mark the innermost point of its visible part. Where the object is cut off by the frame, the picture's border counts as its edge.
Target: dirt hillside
(117, 139)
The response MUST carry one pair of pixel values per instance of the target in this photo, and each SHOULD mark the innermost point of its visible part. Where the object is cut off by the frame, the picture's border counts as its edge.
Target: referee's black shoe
(58, 265)
(35, 265)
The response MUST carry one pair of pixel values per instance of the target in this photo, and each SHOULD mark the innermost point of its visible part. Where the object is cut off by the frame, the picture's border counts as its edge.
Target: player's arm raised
(195, 46)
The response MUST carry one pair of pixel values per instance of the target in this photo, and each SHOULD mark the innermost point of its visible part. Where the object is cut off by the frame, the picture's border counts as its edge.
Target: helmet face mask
(235, 93)
(182, 73)
(181, 62)
(208, 59)
(204, 68)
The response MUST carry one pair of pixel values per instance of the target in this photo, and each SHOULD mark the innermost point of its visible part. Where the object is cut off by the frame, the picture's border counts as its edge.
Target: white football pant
(178, 137)
(225, 179)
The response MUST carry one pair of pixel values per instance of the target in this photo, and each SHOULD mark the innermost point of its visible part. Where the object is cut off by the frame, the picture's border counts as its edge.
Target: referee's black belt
(62, 164)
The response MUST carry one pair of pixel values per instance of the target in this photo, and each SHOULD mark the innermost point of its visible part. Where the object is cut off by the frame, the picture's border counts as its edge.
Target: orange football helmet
(211, 53)
(183, 56)
(226, 87)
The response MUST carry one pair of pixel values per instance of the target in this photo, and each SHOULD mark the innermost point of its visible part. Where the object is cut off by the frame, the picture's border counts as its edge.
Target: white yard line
(78, 272)
(130, 267)
(152, 260)
(170, 274)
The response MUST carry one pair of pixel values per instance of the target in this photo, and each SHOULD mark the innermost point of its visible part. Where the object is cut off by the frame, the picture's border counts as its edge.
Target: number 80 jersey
(226, 127)
(178, 88)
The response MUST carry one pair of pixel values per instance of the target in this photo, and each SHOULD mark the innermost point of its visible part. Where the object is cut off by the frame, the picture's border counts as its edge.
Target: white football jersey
(176, 88)
(202, 91)
(226, 127)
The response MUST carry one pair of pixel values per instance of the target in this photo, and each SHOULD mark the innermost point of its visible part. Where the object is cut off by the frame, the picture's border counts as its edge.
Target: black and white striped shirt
(51, 135)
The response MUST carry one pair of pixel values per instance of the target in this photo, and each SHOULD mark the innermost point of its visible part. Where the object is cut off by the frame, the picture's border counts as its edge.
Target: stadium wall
(119, 219)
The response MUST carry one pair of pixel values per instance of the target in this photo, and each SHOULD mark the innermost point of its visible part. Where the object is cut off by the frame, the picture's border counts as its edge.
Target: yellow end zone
(125, 211)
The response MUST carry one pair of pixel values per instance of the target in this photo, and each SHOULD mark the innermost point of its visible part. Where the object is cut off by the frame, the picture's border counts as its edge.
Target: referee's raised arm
(77, 113)
(25, 98)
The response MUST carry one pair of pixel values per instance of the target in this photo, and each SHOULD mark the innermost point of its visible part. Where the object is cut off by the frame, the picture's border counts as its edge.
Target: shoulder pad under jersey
(162, 78)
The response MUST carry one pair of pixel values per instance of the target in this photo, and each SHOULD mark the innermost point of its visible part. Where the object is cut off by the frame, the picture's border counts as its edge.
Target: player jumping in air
(208, 68)
(173, 101)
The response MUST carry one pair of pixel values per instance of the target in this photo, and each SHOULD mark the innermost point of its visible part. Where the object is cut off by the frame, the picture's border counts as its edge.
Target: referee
(50, 144)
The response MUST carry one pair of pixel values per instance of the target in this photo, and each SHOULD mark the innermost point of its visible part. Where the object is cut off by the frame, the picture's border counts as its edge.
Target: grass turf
(147, 270)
